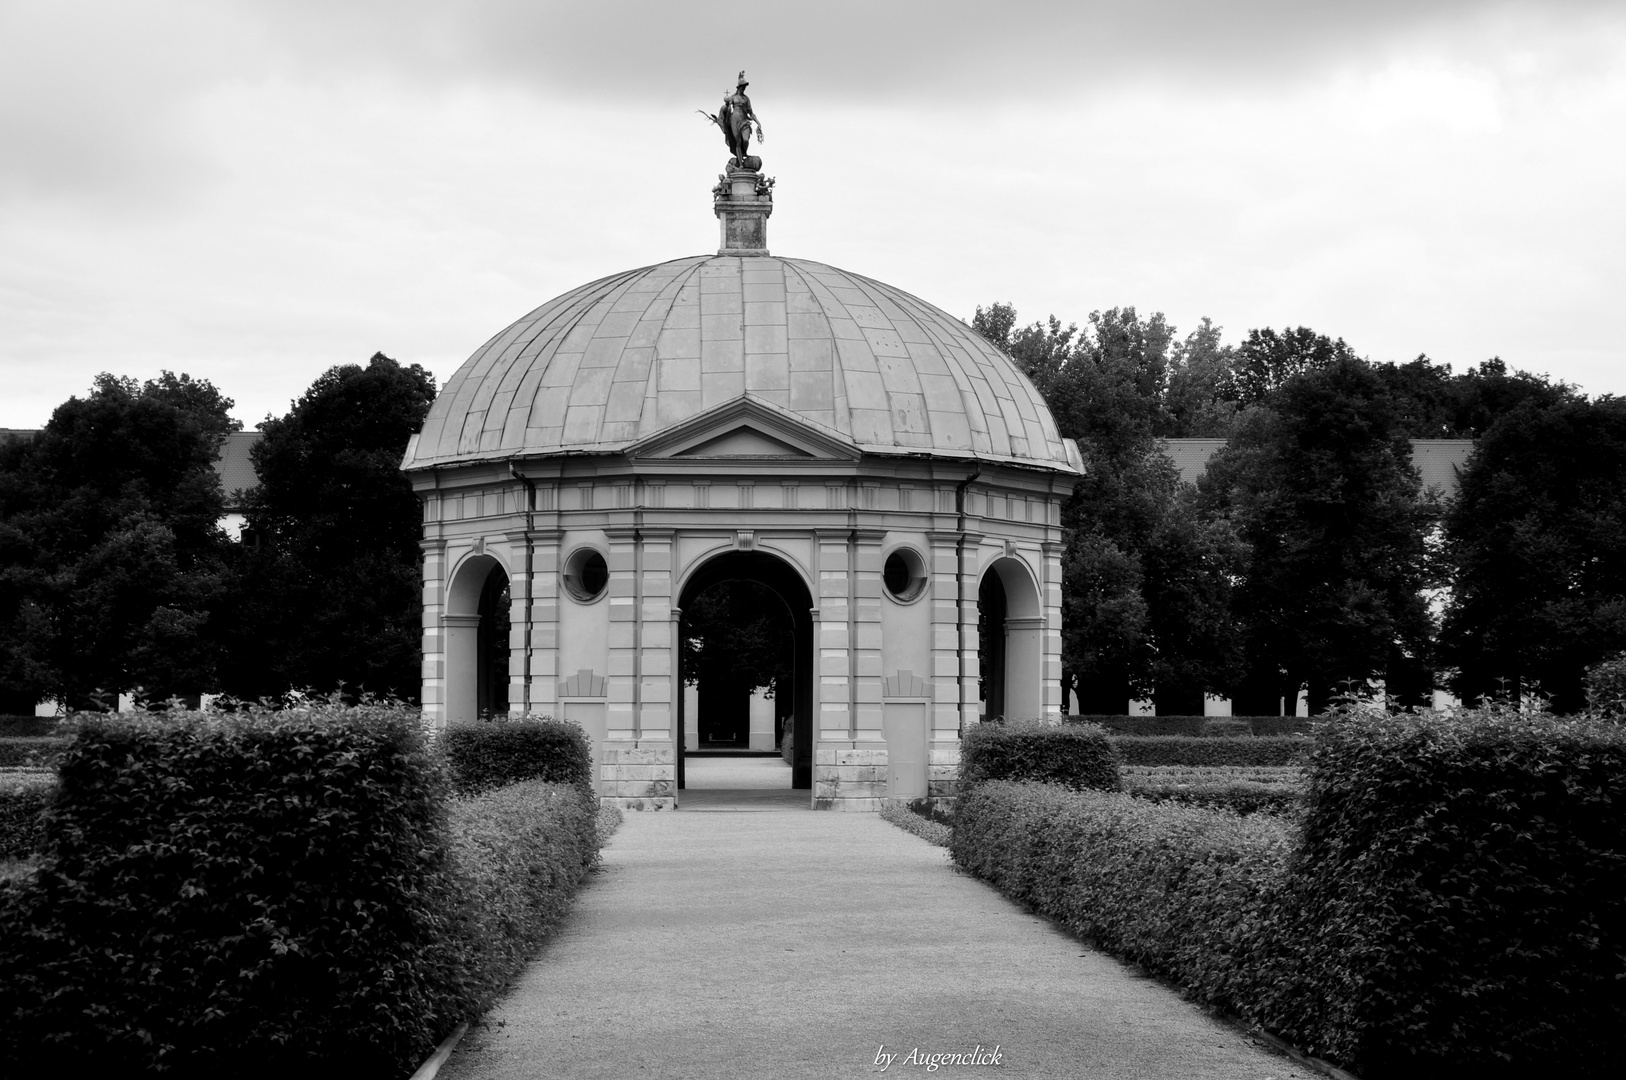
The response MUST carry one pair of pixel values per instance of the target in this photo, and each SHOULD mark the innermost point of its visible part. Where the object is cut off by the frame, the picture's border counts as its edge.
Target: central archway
(781, 579)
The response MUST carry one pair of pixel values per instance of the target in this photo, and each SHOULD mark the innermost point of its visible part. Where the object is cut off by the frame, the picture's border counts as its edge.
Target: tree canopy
(112, 564)
(330, 591)
(1536, 543)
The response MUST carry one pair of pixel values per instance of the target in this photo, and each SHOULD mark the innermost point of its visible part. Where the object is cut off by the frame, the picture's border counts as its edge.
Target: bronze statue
(737, 121)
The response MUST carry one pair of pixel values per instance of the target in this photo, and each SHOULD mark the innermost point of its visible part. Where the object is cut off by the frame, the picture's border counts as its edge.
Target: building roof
(1437, 460)
(236, 468)
(624, 358)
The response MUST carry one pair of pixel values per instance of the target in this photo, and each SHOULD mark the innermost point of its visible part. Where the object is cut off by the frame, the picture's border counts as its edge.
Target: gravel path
(789, 943)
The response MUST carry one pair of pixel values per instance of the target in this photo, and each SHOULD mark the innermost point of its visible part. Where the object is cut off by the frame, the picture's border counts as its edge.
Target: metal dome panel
(622, 359)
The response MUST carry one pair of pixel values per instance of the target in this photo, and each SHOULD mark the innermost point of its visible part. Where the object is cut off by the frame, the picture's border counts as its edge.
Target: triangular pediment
(743, 441)
(746, 428)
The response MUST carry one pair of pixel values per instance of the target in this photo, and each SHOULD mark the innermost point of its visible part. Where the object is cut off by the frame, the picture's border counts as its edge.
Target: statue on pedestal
(737, 121)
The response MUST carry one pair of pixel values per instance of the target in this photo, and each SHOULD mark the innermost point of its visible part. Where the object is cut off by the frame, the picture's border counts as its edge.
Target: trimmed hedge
(13, 726)
(1193, 750)
(1454, 905)
(1459, 898)
(1164, 886)
(520, 853)
(25, 750)
(1207, 726)
(1239, 790)
(491, 754)
(1074, 755)
(23, 798)
(928, 829)
(260, 893)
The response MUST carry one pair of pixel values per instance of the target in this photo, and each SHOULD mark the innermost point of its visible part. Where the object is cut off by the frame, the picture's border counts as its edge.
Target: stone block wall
(852, 780)
(639, 779)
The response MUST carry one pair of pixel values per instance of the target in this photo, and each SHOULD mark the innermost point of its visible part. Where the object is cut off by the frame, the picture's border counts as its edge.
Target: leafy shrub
(23, 797)
(1073, 755)
(1201, 725)
(1163, 886)
(928, 829)
(1241, 790)
(1454, 903)
(227, 895)
(23, 750)
(520, 853)
(1459, 898)
(1606, 686)
(1194, 750)
(495, 753)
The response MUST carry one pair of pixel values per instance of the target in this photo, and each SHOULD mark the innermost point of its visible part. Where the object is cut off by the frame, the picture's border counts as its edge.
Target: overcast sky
(252, 192)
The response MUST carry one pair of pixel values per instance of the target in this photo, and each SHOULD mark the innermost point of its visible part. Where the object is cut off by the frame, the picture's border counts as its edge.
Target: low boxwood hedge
(1196, 750)
(1200, 725)
(1240, 790)
(519, 853)
(1072, 755)
(261, 893)
(1164, 886)
(24, 750)
(494, 753)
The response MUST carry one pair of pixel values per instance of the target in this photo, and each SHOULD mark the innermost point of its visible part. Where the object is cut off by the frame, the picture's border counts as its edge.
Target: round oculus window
(586, 574)
(904, 575)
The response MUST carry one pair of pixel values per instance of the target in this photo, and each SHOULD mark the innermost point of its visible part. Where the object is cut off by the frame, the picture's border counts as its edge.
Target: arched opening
(768, 607)
(1010, 641)
(477, 633)
(493, 645)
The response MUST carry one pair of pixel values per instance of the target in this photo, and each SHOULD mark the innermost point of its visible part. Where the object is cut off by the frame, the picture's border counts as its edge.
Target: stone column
(1051, 599)
(434, 641)
(544, 617)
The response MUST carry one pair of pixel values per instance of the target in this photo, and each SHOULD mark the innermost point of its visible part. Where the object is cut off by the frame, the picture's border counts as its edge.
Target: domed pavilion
(870, 459)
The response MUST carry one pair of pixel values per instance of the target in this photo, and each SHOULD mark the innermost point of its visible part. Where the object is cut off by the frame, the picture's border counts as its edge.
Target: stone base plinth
(846, 779)
(638, 779)
(943, 770)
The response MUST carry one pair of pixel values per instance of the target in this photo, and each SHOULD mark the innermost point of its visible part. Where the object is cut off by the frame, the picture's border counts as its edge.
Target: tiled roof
(626, 357)
(236, 470)
(1436, 459)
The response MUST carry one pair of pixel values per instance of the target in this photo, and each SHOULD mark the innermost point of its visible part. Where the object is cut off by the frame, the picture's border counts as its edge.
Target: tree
(331, 595)
(1145, 582)
(114, 566)
(1536, 545)
(1268, 359)
(1319, 484)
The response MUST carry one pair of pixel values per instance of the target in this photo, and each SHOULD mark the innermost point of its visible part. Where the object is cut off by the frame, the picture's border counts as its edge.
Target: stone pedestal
(743, 200)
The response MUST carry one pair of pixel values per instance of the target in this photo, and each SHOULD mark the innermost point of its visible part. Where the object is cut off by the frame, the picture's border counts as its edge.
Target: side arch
(477, 631)
(1011, 621)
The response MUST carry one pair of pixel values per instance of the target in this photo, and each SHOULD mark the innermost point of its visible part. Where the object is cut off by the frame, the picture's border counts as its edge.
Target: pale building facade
(886, 472)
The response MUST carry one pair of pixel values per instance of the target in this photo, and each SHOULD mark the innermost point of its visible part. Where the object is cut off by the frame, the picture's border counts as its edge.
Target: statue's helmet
(742, 81)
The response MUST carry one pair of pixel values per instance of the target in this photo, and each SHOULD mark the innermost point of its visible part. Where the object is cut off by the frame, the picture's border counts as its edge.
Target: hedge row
(1193, 750)
(928, 829)
(24, 750)
(520, 853)
(1163, 886)
(1239, 790)
(12, 726)
(494, 753)
(1455, 904)
(1072, 755)
(1208, 726)
(23, 798)
(258, 893)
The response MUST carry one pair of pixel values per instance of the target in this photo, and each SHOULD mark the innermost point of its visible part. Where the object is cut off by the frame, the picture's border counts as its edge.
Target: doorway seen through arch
(758, 614)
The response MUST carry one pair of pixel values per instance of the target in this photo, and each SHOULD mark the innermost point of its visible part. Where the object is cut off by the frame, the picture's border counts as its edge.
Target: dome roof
(621, 359)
